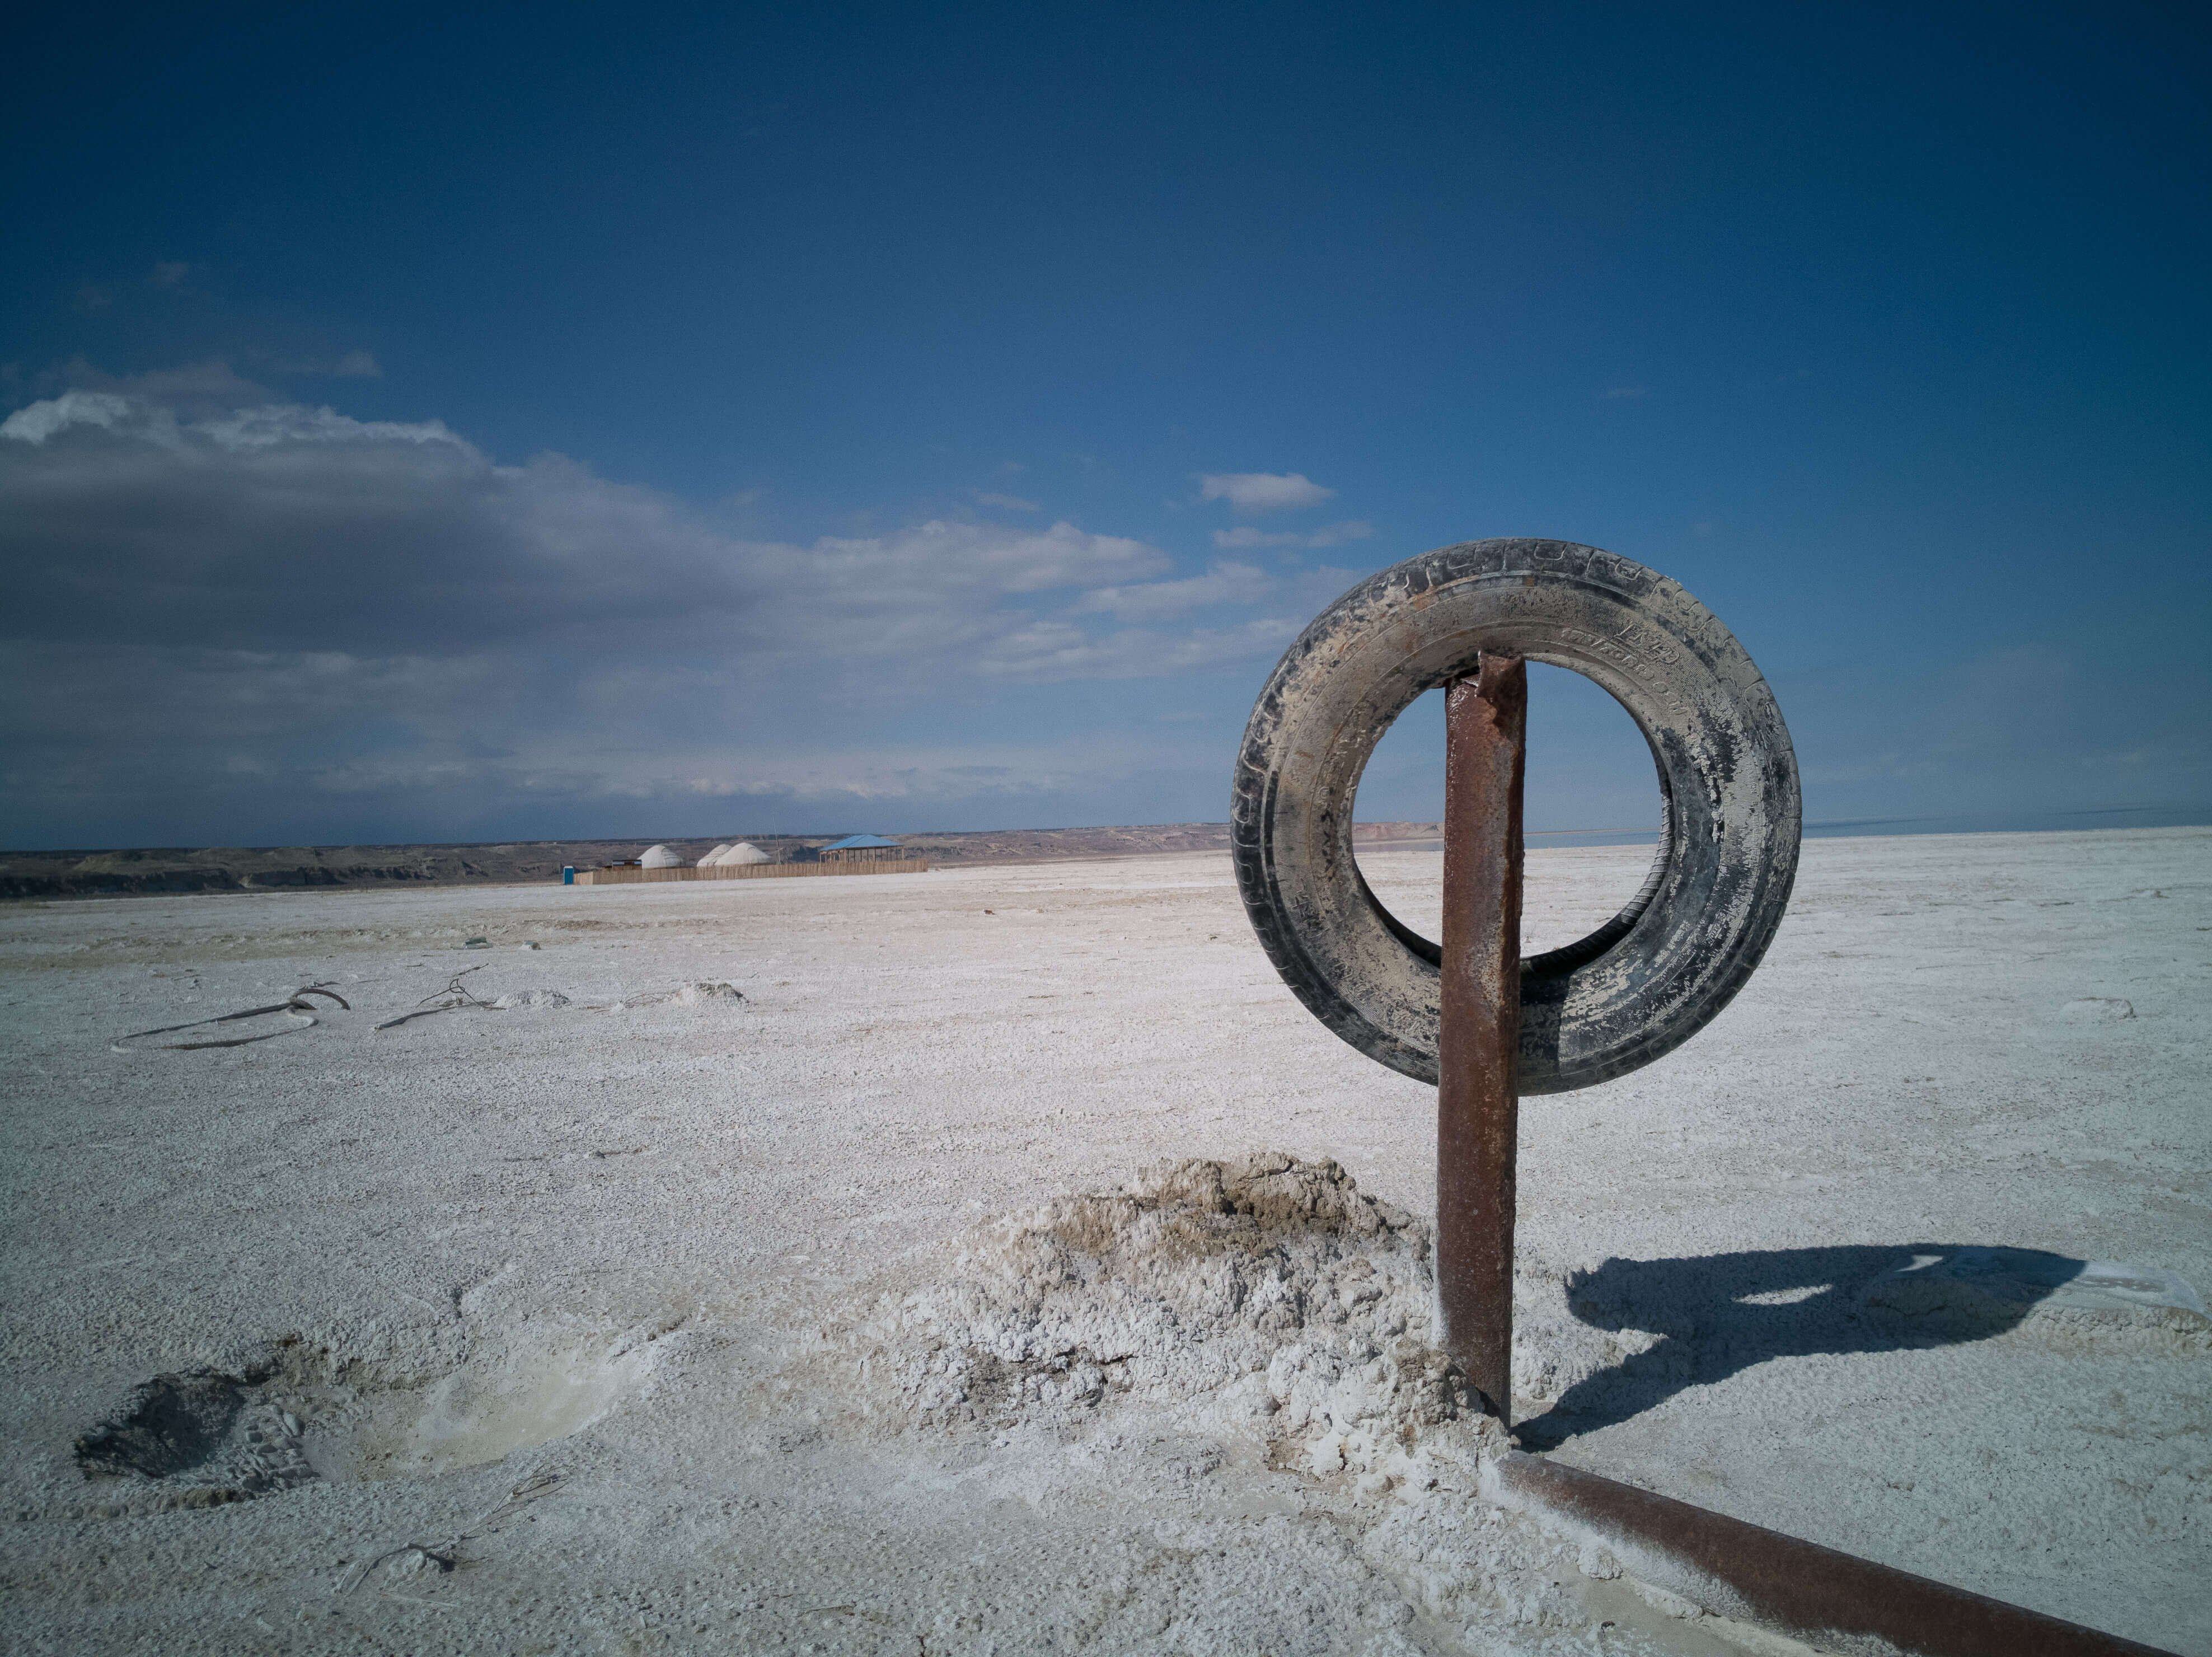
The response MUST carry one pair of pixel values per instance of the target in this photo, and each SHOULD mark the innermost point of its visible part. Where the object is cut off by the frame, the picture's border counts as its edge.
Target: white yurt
(708, 860)
(660, 857)
(744, 852)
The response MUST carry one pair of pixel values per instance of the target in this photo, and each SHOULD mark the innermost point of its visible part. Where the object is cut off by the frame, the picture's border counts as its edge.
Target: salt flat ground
(535, 1284)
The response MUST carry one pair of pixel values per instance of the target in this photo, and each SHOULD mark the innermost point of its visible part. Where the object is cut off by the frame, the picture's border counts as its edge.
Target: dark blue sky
(801, 417)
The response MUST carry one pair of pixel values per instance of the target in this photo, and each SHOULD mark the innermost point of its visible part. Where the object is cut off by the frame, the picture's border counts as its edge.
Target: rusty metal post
(1721, 1563)
(1478, 1098)
(1745, 1571)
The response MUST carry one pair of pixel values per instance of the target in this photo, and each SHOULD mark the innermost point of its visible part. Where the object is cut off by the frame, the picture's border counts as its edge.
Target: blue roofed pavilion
(858, 847)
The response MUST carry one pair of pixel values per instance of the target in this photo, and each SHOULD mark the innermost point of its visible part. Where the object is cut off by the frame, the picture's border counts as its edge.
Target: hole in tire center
(1590, 811)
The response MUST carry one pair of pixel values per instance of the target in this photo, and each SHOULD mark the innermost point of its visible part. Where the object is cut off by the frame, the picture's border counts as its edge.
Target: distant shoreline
(169, 871)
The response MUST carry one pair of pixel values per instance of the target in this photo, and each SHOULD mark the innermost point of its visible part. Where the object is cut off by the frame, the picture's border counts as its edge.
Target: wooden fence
(747, 872)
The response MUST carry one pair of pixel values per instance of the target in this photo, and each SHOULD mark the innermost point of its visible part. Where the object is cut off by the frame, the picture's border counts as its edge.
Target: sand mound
(2097, 1010)
(1271, 1292)
(530, 1000)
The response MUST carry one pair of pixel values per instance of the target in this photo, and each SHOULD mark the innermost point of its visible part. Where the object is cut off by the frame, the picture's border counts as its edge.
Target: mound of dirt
(1270, 1292)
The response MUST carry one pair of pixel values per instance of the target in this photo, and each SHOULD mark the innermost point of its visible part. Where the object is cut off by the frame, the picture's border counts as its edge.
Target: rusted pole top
(1478, 1102)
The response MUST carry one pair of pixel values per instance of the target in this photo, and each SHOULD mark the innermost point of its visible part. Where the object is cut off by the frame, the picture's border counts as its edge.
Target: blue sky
(466, 423)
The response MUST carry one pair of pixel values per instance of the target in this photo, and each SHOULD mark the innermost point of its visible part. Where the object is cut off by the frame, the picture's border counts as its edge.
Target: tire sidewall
(1724, 760)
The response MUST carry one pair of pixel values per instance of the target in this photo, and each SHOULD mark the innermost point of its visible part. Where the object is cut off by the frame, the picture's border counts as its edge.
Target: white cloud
(357, 365)
(267, 514)
(278, 425)
(378, 614)
(966, 558)
(1225, 583)
(268, 427)
(1244, 535)
(904, 775)
(1263, 491)
(1336, 535)
(195, 387)
(42, 420)
(1010, 502)
(1053, 650)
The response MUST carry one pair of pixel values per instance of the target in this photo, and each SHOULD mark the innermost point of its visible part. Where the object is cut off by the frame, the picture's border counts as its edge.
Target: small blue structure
(858, 848)
(569, 874)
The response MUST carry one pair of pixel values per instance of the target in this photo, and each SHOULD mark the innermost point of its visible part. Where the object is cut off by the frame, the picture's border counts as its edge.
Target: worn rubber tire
(1646, 981)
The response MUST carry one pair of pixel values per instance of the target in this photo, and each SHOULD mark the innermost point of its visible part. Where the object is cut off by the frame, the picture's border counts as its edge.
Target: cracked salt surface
(612, 1332)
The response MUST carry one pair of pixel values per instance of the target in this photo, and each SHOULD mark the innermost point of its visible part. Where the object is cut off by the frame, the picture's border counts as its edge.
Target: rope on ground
(454, 996)
(295, 1007)
(412, 1558)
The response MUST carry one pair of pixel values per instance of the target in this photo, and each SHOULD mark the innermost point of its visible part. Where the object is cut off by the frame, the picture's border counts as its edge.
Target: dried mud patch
(203, 1437)
(303, 1412)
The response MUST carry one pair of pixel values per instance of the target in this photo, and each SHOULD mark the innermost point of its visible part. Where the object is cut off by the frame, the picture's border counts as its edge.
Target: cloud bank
(278, 617)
